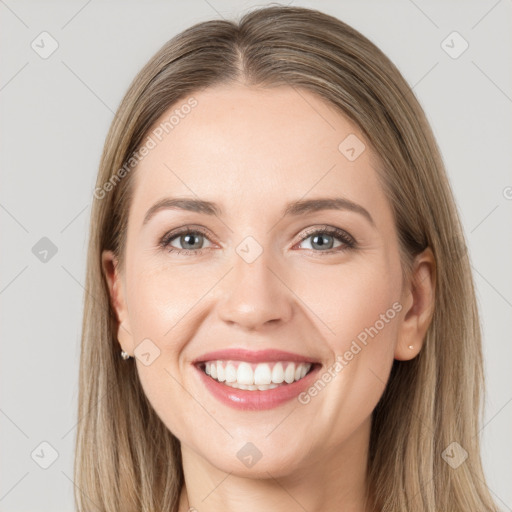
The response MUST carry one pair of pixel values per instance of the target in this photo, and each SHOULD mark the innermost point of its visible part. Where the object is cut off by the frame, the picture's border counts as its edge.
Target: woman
(281, 313)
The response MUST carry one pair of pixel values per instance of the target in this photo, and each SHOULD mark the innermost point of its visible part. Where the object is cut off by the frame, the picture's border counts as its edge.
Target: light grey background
(55, 113)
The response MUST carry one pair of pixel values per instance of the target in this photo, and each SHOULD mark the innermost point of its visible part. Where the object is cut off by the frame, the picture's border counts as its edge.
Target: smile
(251, 380)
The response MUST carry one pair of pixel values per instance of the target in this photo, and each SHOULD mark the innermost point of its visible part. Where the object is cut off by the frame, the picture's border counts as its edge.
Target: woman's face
(268, 279)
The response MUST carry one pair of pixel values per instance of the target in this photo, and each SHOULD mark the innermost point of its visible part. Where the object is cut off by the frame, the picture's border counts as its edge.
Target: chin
(256, 460)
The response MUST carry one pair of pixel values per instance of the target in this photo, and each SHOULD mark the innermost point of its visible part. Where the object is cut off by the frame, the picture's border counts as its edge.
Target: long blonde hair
(126, 459)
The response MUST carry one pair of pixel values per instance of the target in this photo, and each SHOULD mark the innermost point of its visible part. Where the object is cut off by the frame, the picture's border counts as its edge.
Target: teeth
(252, 388)
(289, 374)
(244, 374)
(230, 373)
(221, 375)
(262, 374)
(278, 373)
(254, 377)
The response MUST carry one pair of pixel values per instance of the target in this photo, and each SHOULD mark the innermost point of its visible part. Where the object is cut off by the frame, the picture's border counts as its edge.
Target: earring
(125, 355)
(411, 346)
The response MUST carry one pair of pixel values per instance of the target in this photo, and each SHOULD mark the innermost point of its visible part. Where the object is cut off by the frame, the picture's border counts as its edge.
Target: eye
(324, 240)
(191, 241)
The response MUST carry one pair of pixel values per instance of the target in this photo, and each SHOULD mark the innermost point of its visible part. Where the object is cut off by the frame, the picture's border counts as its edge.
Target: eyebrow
(295, 208)
(326, 203)
(191, 205)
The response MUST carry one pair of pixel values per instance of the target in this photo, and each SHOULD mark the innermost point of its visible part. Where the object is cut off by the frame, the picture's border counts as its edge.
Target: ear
(116, 287)
(418, 299)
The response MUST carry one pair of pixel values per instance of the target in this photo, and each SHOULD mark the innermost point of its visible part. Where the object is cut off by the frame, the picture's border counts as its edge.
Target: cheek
(164, 300)
(353, 301)
(359, 304)
(161, 309)
(362, 307)
(368, 318)
(164, 304)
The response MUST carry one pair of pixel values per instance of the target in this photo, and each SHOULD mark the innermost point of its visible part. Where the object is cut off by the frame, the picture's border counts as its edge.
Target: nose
(255, 295)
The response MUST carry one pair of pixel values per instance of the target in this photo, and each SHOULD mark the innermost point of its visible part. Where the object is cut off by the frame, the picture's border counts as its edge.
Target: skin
(251, 151)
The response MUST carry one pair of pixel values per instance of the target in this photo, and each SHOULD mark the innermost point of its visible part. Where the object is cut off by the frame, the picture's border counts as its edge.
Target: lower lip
(257, 400)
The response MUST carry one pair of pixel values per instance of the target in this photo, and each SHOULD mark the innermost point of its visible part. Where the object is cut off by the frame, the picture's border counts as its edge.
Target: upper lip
(259, 356)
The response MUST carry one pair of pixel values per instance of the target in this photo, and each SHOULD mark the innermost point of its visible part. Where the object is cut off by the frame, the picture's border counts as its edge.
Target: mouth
(250, 380)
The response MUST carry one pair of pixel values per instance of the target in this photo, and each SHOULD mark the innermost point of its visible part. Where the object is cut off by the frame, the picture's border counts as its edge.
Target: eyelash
(348, 241)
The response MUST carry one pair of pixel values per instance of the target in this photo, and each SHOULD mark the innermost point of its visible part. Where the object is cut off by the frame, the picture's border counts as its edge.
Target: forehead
(239, 144)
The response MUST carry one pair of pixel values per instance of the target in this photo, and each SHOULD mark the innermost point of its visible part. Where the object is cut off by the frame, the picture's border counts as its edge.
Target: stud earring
(411, 346)
(125, 355)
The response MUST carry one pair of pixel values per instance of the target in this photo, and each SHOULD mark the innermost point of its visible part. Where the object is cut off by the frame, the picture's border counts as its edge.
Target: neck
(333, 480)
